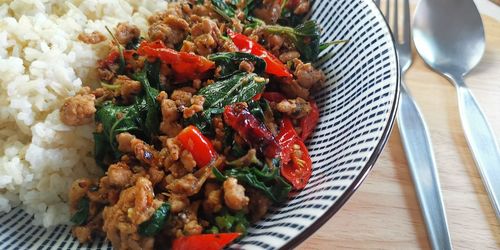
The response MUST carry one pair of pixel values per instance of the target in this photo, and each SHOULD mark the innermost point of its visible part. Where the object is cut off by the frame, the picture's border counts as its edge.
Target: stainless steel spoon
(449, 36)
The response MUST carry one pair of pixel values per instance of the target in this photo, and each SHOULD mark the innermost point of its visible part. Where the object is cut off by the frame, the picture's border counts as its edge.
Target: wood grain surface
(384, 211)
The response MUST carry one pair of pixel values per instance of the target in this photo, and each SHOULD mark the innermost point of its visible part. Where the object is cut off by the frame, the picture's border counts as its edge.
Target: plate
(358, 107)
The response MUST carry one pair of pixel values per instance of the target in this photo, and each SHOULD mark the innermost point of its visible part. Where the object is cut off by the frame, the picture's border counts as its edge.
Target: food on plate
(200, 123)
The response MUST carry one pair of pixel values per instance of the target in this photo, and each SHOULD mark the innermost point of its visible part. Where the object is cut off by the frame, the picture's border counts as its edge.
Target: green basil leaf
(230, 62)
(305, 37)
(266, 180)
(241, 87)
(81, 215)
(155, 224)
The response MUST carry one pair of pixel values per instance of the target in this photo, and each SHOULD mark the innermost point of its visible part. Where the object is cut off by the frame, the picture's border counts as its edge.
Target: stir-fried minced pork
(234, 194)
(196, 125)
(92, 38)
(78, 110)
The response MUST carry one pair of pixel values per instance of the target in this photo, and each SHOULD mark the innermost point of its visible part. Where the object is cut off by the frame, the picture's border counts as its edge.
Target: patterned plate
(358, 106)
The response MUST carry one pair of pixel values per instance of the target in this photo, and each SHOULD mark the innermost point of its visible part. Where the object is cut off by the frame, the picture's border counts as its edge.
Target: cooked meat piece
(146, 153)
(192, 228)
(190, 184)
(294, 90)
(178, 203)
(234, 194)
(124, 144)
(307, 75)
(185, 185)
(181, 97)
(197, 102)
(246, 67)
(82, 233)
(205, 35)
(155, 175)
(259, 204)
(105, 74)
(187, 160)
(228, 46)
(172, 30)
(170, 114)
(128, 88)
(135, 205)
(92, 38)
(125, 33)
(275, 42)
(177, 170)
(173, 148)
(302, 8)
(269, 12)
(78, 110)
(205, 44)
(289, 56)
(213, 198)
(119, 175)
(295, 108)
(188, 47)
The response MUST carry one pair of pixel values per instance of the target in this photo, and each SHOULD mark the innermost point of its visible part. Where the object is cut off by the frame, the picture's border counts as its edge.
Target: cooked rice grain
(41, 63)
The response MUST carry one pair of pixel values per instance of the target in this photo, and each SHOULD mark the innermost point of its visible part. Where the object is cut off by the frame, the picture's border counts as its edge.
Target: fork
(415, 137)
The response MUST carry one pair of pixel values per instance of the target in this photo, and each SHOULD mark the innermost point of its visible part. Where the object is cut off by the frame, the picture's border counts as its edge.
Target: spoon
(449, 36)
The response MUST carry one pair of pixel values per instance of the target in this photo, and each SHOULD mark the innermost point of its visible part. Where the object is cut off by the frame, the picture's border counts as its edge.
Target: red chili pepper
(204, 241)
(257, 97)
(309, 122)
(187, 66)
(251, 129)
(286, 138)
(115, 54)
(198, 145)
(299, 169)
(273, 96)
(296, 165)
(273, 65)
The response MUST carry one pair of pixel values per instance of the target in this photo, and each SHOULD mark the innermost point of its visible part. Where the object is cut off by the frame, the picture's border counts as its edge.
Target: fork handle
(420, 156)
(481, 140)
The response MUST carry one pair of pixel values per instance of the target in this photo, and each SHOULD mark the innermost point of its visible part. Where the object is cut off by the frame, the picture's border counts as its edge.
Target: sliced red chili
(309, 122)
(251, 129)
(273, 65)
(296, 164)
(299, 169)
(115, 54)
(187, 66)
(198, 145)
(204, 241)
(286, 138)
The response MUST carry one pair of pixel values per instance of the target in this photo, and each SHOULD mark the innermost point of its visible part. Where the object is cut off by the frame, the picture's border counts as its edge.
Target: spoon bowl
(449, 36)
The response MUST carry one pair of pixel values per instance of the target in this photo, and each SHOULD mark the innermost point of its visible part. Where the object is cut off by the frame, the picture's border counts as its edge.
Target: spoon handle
(481, 140)
(418, 149)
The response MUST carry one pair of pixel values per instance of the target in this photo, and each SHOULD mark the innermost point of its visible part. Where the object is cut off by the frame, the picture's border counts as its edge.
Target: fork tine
(406, 27)
(395, 28)
(377, 2)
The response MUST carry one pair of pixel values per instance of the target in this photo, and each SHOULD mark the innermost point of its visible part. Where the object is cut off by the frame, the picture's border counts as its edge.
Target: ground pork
(295, 108)
(78, 110)
(92, 38)
(269, 12)
(234, 194)
(135, 205)
(125, 33)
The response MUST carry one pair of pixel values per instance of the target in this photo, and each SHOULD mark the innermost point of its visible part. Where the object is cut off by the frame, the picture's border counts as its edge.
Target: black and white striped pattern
(357, 107)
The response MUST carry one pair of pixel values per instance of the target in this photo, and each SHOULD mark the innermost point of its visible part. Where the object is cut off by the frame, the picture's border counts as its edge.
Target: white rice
(41, 63)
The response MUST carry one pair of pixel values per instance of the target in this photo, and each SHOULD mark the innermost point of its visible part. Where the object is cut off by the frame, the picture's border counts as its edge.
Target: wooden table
(384, 212)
